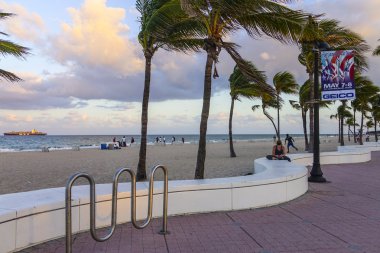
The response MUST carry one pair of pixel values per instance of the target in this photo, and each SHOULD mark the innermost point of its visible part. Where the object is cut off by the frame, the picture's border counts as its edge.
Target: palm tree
(241, 87)
(267, 101)
(350, 122)
(163, 24)
(223, 17)
(343, 113)
(365, 92)
(375, 104)
(316, 31)
(302, 105)
(9, 48)
(354, 106)
(369, 124)
(283, 82)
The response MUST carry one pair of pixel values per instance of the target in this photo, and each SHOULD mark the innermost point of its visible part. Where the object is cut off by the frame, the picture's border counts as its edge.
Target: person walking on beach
(173, 139)
(156, 139)
(124, 141)
(290, 141)
(278, 152)
(183, 140)
(132, 140)
(164, 140)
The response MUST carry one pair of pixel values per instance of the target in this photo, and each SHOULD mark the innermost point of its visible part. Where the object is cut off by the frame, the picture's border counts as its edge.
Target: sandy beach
(26, 171)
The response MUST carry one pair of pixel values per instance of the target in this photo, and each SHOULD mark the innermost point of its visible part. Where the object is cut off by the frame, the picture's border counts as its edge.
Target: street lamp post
(316, 174)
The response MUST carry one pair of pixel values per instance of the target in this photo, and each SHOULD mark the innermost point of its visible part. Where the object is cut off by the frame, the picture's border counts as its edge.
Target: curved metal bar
(150, 201)
(69, 186)
(115, 184)
(90, 179)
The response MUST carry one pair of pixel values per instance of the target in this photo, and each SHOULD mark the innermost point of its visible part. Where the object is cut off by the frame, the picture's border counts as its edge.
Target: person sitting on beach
(278, 152)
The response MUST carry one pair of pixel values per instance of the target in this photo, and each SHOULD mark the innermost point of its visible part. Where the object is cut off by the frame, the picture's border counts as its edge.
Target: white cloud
(26, 25)
(265, 56)
(97, 37)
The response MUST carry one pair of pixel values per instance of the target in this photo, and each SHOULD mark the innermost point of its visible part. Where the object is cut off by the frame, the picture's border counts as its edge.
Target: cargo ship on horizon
(25, 133)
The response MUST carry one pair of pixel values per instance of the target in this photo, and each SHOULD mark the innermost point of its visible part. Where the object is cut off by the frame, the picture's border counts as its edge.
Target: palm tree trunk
(341, 131)
(375, 129)
(232, 151)
(278, 117)
(354, 126)
(201, 157)
(311, 114)
(342, 122)
(271, 120)
(339, 135)
(361, 130)
(141, 167)
(348, 133)
(305, 129)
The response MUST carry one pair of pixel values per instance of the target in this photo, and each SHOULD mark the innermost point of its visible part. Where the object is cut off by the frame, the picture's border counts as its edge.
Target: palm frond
(277, 22)
(295, 104)
(284, 82)
(9, 76)
(376, 51)
(255, 107)
(251, 74)
(10, 48)
(4, 15)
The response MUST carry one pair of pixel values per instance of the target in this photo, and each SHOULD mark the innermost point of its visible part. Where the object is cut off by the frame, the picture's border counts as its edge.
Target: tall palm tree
(268, 101)
(375, 105)
(223, 17)
(365, 92)
(163, 24)
(241, 87)
(354, 106)
(350, 122)
(343, 113)
(283, 82)
(302, 105)
(339, 38)
(9, 48)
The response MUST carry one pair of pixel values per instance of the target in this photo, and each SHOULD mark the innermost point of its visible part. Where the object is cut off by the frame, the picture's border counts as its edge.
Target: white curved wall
(30, 218)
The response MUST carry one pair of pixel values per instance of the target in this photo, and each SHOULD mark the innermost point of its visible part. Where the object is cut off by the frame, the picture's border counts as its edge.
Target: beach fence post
(115, 183)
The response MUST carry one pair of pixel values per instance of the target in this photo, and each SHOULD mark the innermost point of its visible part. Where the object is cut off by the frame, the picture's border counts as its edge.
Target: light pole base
(317, 179)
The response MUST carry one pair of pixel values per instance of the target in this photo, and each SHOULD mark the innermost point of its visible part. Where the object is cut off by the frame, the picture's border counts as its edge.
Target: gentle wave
(67, 142)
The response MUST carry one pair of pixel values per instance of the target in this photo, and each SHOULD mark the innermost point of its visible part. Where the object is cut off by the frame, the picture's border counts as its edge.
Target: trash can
(103, 146)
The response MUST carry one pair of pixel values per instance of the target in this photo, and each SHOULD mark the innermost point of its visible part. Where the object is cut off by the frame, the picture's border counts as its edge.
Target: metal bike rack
(115, 184)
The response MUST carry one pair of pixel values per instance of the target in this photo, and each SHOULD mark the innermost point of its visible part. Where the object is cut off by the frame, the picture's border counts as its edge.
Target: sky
(85, 73)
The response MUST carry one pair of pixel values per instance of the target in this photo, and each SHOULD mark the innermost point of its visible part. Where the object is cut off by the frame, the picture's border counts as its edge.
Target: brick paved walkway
(342, 216)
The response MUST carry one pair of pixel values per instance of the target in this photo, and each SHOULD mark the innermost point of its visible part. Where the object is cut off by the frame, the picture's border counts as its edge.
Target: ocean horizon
(67, 142)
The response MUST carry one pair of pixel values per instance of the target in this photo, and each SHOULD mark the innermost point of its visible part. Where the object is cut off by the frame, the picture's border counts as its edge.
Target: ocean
(67, 142)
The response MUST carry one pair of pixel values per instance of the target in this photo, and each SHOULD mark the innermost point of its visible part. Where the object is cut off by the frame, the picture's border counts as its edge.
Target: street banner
(337, 76)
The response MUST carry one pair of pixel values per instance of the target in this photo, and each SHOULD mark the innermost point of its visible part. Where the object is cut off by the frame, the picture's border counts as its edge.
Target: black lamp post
(316, 174)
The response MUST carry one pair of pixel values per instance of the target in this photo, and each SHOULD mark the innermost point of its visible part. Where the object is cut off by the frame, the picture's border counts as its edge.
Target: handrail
(115, 184)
